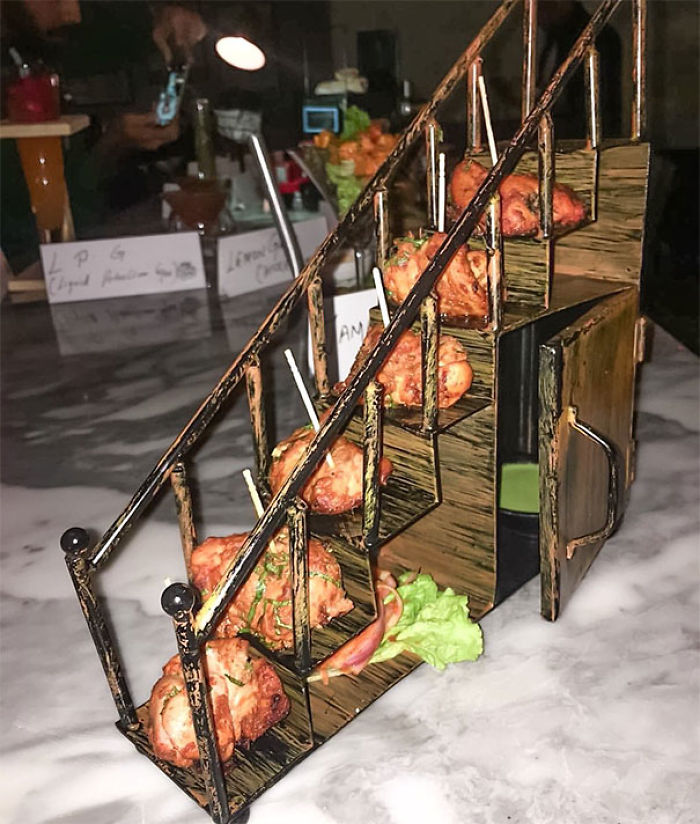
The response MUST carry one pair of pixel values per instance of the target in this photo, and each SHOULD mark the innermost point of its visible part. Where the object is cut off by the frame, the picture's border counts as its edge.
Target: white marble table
(591, 720)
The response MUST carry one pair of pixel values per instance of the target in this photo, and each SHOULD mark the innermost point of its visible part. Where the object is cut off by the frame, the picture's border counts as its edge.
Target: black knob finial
(178, 597)
(75, 539)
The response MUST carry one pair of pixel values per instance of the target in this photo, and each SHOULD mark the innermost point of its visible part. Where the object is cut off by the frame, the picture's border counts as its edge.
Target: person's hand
(140, 131)
(177, 26)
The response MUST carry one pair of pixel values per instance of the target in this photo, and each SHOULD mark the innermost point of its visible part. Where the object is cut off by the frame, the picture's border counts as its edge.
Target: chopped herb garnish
(259, 592)
(234, 680)
(314, 573)
(274, 569)
(173, 692)
(416, 242)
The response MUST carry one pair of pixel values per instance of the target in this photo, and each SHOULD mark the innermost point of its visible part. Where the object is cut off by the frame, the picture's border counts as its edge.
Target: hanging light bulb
(240, 53)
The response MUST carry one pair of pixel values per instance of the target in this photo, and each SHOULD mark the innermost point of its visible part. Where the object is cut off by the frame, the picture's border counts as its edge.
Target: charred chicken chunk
(263, 605)
(461, 288)
(331, 489)
(246, 695)
(519, 200)
(400, 374)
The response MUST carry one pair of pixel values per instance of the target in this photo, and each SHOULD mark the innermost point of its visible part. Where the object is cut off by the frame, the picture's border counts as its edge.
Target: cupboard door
(586, 400)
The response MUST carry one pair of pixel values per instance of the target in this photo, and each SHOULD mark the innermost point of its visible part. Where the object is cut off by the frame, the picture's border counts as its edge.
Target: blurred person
(111, 58)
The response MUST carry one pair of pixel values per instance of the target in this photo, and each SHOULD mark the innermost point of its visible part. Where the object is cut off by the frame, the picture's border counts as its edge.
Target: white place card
(347, 322)
(117, 267)
(256, 260)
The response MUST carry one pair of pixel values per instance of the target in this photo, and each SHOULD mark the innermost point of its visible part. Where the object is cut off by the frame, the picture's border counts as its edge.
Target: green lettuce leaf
(434, 625)
(348, 187)
(355, 120)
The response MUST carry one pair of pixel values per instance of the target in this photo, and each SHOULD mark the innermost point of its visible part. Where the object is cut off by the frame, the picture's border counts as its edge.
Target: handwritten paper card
(117, 267)
(347, 322)
(255, 260)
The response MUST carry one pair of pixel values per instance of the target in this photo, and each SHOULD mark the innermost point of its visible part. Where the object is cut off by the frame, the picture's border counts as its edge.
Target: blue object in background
(170, 98)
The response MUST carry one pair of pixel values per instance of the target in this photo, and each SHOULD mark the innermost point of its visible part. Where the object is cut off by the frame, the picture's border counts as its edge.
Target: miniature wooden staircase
(577, 293)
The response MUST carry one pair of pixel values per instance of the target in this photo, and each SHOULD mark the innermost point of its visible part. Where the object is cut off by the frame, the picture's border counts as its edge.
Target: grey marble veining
(590, 720)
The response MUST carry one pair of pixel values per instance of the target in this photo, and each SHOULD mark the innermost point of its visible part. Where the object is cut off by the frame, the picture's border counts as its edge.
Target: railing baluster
(529, 78)
(75, 542)
(299, 565)
(373, 426)
(494, 251)
(179, 602)
(359, 258)
(429, 340)
(473, 106)
(431, 141)
(591, 72)
(258, 419)
(639, 68)
(318, 335)
(185, 519)
(545, 159)
(381, 226)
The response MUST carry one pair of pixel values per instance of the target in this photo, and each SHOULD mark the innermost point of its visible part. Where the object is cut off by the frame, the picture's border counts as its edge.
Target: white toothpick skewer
(487, 120)
(255, 498)
(306, 398)
(381, 297)
(252, 490)
(441, 193)
(303, 391)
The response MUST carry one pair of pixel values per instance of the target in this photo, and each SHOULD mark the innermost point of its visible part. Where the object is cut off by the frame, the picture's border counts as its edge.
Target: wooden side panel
(409, 493)
(480, 352)
(455, 542)
(611, 248)
(528, 273)
(590, 366)
(337, 703)
(527, 269)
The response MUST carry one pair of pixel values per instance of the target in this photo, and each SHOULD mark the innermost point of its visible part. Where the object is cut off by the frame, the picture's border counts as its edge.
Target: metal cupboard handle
(615, 474)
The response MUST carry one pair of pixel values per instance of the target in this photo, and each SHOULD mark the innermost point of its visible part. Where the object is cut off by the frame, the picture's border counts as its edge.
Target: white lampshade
(240, 53)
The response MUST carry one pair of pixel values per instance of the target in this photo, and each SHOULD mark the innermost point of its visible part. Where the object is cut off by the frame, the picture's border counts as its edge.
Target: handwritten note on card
(347, 322)
(117, 267)
(255, 260)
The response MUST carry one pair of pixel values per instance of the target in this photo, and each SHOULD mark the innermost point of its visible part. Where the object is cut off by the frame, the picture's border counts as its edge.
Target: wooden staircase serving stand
(574, 295)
